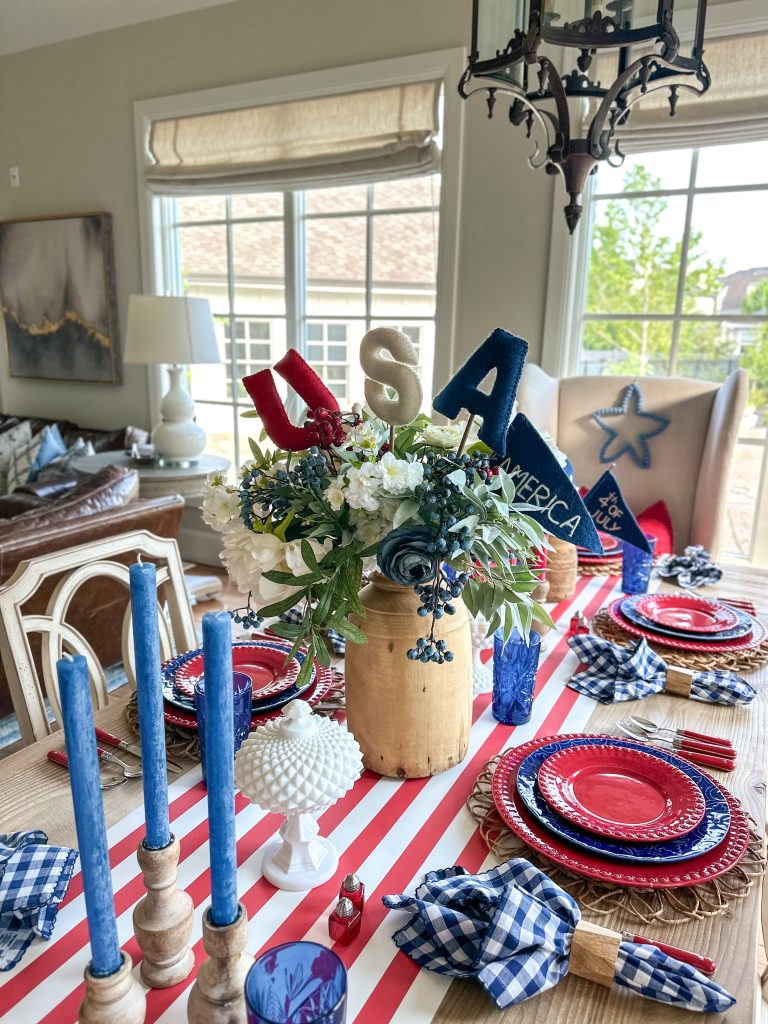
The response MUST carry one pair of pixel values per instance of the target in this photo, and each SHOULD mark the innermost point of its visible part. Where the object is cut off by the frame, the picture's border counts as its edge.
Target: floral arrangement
(430, 505)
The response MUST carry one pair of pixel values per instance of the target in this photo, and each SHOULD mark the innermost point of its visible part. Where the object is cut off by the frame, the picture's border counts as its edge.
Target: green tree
(755, 357)
(634, 268)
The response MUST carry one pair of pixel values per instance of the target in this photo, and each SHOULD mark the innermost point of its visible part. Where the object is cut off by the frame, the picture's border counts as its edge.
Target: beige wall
(66, 120)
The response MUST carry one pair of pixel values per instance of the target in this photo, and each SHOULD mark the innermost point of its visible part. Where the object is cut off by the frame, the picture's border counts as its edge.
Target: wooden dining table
(34, 793)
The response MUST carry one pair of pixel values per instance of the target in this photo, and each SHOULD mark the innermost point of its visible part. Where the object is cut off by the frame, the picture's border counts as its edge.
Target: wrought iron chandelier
(510, 39)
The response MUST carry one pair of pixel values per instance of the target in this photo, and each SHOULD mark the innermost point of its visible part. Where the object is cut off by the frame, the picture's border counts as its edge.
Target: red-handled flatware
(105, 781)
(701, 748)
(651, 727)
(721, 762)
(131, 748)
(702, 963)
(128, 772)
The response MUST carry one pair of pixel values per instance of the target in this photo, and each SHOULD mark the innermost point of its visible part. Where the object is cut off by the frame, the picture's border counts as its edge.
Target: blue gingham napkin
(336, 640)
(615, 673)
(693, 568)
(510, 928)
(33, 880)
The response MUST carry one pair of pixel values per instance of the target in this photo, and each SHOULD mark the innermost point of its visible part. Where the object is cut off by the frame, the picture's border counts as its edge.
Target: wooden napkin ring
(594, 951)
(679, 681)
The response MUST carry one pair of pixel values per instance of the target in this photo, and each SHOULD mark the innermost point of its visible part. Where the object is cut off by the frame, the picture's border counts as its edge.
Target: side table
(197, 542)
(157, 482)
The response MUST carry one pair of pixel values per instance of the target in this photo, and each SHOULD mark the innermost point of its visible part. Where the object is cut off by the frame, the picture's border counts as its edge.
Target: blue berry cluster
(247, 617)
(443, 504)
(435, 600)
(263, 497)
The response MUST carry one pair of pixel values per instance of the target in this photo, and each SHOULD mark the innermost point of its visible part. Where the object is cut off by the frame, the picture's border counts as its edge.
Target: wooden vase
(562, 570)
(410, 719)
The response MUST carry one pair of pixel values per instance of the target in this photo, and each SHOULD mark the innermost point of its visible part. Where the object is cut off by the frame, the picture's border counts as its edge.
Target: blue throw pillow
(51, 447)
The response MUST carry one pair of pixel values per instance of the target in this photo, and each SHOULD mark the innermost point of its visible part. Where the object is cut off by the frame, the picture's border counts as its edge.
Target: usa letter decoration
(503, 352)
(305, 382)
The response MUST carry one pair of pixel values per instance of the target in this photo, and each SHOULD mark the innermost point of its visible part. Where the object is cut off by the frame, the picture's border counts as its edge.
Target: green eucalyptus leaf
(405, 510)
(309, 556)
(288, 579)
(288, 630)
(279, 607)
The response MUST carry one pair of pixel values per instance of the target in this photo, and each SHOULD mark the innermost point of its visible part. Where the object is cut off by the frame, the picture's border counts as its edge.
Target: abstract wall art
(59, 299)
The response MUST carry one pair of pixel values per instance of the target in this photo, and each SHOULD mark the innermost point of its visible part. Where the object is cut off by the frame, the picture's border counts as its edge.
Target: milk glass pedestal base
(301, 859)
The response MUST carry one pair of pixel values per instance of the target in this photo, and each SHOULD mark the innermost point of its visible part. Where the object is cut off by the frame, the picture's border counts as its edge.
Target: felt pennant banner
(540, 480)
(503, 352)
(611, 514)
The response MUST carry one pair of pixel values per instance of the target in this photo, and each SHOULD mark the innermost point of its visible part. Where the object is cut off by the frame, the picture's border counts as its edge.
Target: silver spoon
(128, 772)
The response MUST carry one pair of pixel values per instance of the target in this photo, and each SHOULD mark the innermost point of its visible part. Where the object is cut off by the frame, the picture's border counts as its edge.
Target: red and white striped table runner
(390, 832)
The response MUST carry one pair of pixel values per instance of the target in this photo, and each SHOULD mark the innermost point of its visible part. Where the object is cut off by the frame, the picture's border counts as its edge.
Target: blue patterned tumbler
(636, 566)
(514, 675)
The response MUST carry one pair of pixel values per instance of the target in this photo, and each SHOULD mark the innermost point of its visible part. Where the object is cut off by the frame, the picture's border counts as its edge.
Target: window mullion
(368, 257)
(232, 330)
(683, 269)
(295, 286)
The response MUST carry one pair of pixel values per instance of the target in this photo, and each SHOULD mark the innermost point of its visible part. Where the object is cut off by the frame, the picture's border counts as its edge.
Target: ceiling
(25, 24)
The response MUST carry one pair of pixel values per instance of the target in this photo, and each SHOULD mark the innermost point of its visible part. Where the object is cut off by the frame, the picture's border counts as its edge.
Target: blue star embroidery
(632, 405)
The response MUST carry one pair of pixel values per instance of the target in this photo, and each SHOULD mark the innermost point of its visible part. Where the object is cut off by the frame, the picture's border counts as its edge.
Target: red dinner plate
(621, 793)
(687, 612)
(266, 667)
(316, 692)
(634, 876)
(744, 643)
(609, 543)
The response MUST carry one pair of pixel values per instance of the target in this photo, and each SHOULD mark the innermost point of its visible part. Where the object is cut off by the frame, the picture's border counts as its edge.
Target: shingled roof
(404, 245)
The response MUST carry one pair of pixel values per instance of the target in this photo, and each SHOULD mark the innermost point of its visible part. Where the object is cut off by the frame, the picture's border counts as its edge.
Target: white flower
(247, 556)
(369, 529)
(398, 476)
(450, 435)
(361, 486)
(368, 436)
(295, 559)
(221, 504)
(334, 494)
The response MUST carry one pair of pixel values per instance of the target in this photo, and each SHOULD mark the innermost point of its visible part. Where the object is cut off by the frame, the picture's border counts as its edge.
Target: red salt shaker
(354, 890)
(579, 625)
(344, 922)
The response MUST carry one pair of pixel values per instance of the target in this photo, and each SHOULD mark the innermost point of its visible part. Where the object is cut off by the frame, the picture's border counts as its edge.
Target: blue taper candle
(80, 739)
(149, 693)
(220, 764)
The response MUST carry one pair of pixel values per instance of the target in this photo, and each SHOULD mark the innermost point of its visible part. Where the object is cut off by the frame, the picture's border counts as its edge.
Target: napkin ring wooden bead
(218, 995)
(162, 919)
(679, 681)
(115, 999)
(594, 950)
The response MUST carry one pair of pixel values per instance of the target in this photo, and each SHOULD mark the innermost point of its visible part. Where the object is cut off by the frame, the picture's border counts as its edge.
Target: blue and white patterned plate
(172, 696)
(708, 834)
(745, 624)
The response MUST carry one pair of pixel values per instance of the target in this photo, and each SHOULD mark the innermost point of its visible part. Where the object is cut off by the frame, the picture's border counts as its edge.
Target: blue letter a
(503, 352)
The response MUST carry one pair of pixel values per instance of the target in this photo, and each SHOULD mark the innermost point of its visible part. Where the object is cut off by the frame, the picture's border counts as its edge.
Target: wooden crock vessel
(410, 719)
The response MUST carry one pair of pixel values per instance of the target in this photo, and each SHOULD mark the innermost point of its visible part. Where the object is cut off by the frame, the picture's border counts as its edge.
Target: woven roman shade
(734, 109)
(353, 138)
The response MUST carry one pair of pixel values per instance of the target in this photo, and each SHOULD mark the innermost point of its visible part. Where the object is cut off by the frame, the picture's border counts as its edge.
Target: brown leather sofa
(104, 506)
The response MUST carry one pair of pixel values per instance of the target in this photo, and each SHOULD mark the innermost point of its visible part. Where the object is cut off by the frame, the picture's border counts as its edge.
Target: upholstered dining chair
(76, 567)
(690, 460)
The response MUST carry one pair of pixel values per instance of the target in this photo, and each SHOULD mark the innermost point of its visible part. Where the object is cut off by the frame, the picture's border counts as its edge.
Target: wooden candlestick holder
(218, 995)
(116, 999)
(162, 919)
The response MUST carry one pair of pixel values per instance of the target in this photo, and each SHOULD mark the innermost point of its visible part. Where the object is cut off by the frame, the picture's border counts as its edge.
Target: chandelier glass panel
(551, 58)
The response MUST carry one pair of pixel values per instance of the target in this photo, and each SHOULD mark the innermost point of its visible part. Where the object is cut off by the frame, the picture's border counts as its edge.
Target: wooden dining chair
(78, 567)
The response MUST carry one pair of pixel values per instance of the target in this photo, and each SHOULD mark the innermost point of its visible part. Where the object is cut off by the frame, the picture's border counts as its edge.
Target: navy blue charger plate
(709, 833)
(170, 668)
(744, 626)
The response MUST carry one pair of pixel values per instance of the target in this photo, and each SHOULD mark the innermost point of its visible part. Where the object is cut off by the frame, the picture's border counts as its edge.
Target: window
(315, 269)
(677, 284)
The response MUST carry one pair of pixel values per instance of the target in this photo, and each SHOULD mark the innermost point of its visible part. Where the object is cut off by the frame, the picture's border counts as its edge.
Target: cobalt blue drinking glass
(297, 983)
(514, 675)
(636, 566)
(242, 690)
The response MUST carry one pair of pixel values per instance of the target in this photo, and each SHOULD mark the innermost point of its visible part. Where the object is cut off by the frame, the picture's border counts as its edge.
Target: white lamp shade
(170, 329)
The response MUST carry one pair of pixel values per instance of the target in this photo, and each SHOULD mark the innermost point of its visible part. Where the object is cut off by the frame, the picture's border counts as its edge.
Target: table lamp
(176, 331)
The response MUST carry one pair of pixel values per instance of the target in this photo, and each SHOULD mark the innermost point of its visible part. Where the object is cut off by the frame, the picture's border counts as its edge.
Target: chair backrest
(690, 460)
(77, 566)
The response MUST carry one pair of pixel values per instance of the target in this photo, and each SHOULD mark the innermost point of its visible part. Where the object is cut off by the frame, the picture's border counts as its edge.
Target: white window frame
(443, 65)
